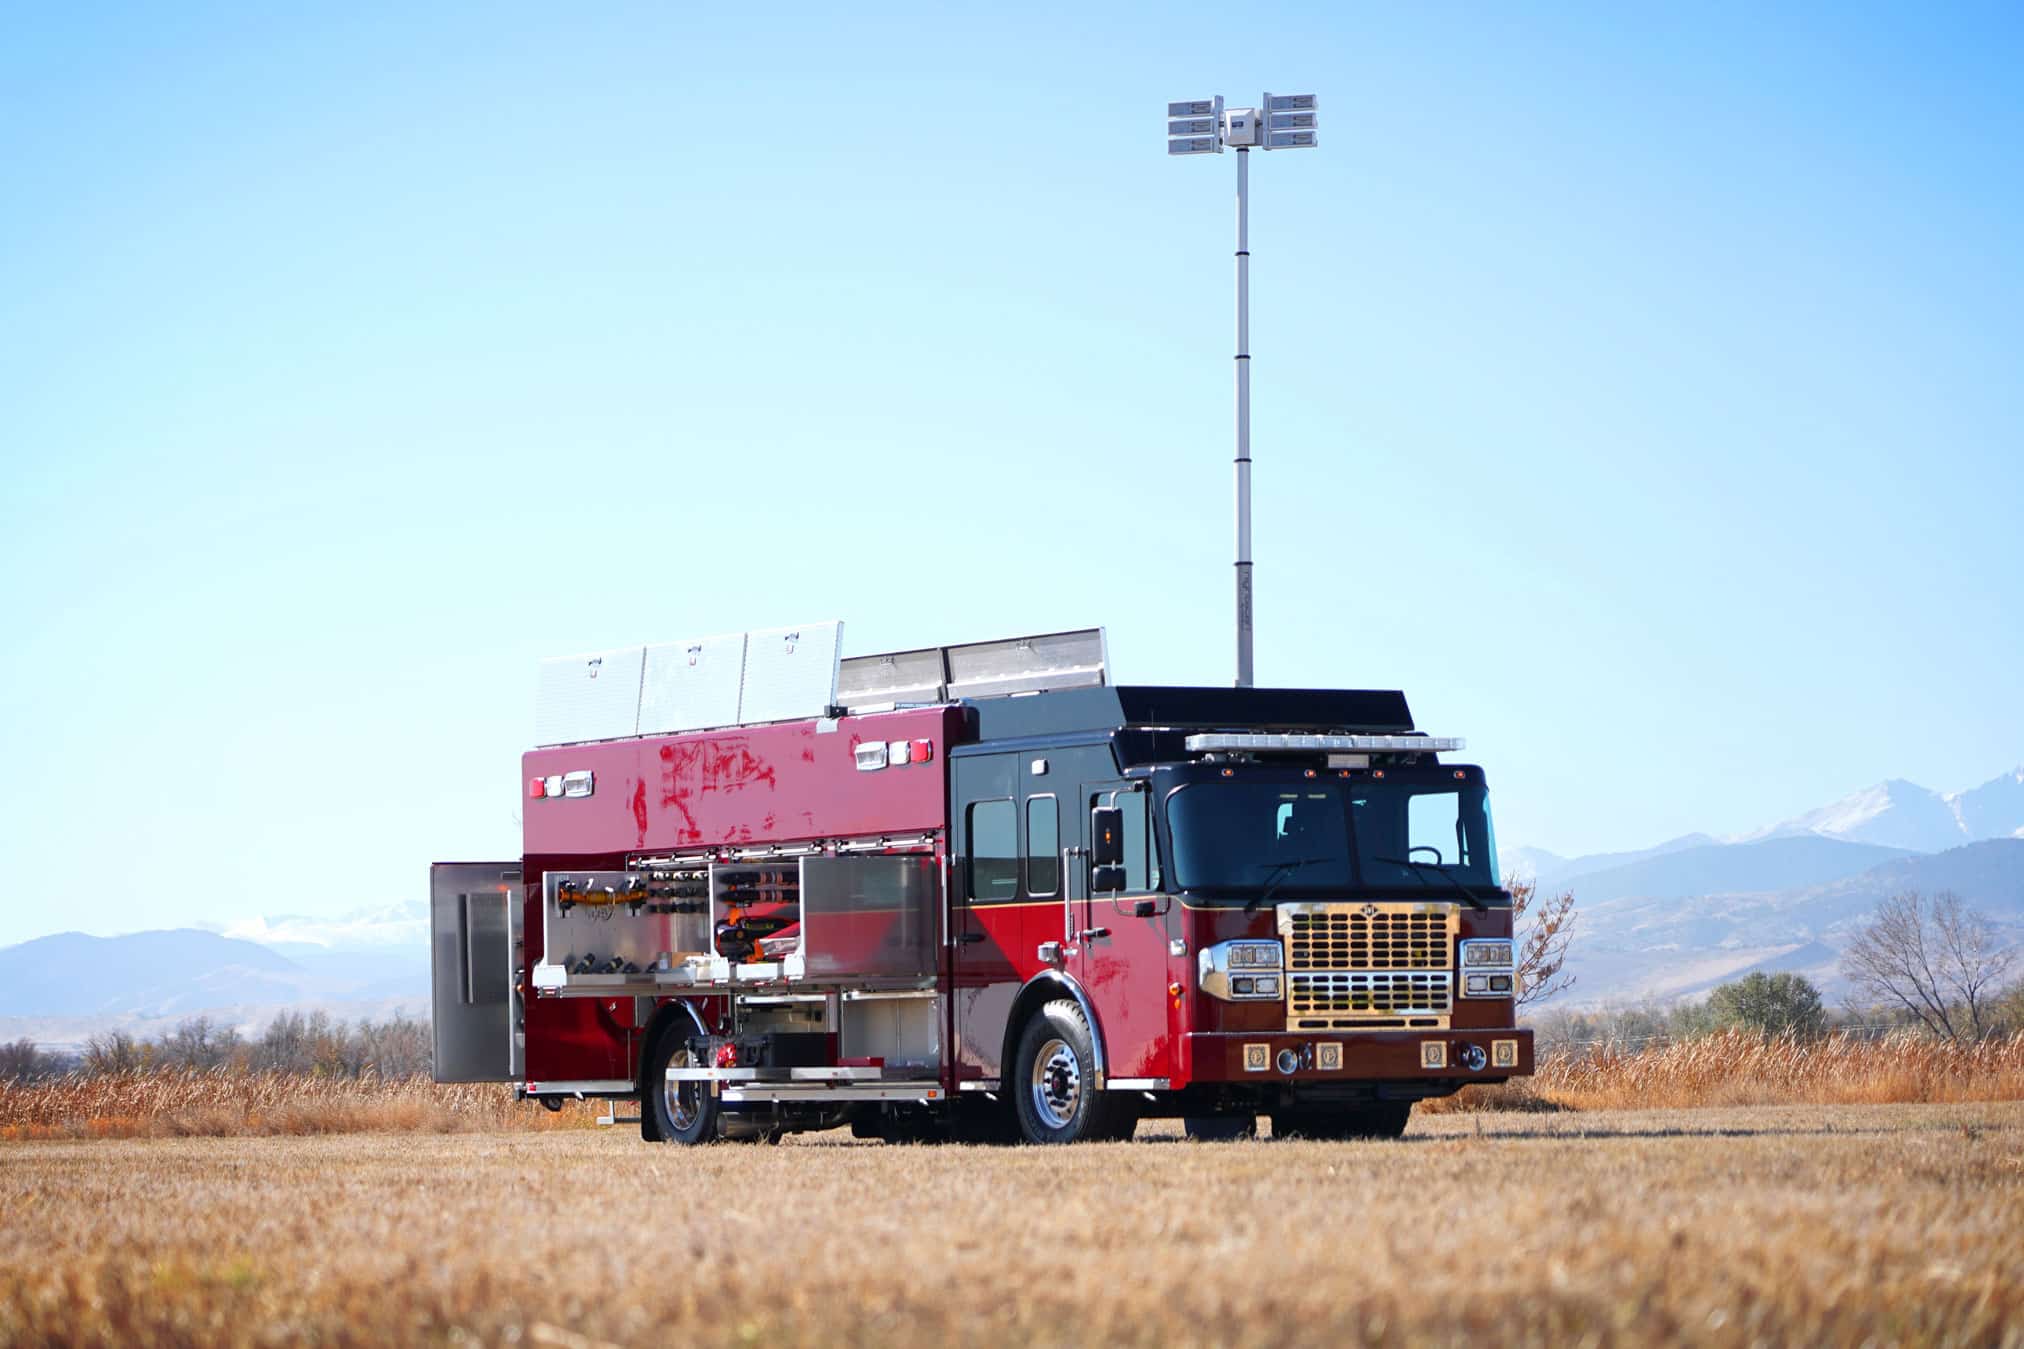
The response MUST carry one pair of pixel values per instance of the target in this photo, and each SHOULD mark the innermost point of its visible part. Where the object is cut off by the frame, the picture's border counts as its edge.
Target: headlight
(1216, 968)
(1253, 955)
(1486, 968)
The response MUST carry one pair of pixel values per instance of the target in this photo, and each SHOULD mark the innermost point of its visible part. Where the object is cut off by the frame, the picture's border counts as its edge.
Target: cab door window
(992, 862)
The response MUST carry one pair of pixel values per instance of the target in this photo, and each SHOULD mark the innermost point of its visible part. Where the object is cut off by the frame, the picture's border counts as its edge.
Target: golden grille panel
(1323, 996)
(1343, 938)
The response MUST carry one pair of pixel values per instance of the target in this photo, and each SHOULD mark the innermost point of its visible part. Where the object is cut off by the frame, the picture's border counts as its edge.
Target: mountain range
(62, 989)
(1697, 910)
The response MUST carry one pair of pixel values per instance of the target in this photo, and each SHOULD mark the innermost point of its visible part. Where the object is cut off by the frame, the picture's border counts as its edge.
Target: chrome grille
(1369, 937)
(1340, 999)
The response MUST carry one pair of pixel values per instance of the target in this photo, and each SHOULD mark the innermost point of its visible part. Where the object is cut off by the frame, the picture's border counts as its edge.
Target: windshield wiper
(1277, 874)
(1461, 889)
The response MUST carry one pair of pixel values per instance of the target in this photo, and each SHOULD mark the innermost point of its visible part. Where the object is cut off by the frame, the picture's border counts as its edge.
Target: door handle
(970, 938)
(1092, 933)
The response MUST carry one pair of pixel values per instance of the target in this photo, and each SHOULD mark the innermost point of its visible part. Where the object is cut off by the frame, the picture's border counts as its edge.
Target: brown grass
(1793, 1225)
(167, 1103)
(1720, 1070)
(1737, 1068)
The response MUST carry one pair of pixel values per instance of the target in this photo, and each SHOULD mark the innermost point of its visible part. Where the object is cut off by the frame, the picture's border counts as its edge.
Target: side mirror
(1106, 838)
(1107, 879)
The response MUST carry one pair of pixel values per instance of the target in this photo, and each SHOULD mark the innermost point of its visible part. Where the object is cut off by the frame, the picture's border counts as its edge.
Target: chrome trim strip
(1138, 1084)
(598, 1086)
(808, 1091)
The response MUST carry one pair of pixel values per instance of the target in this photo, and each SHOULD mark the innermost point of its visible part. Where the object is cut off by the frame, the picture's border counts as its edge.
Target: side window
(994, 851)
(1043, 846)
(1141, 864)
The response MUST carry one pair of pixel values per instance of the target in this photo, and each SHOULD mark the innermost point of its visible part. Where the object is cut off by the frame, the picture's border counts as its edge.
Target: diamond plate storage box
(589, 697)
(693, 685)
(790, 672)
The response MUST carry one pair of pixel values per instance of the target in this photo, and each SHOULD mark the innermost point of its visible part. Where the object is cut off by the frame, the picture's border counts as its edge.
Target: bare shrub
(1543, 927)
(115, 1052)
(199, 1044)
(22, 1061)
(1935, 958)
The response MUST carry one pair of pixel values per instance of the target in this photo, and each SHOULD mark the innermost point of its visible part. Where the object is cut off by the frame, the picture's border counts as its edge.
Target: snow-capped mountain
(1892, 817)
(1900, 814)
(1993, 810)
(401, 927)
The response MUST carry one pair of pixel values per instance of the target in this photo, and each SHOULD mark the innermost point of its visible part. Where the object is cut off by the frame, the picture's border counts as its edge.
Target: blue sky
(1639, 392)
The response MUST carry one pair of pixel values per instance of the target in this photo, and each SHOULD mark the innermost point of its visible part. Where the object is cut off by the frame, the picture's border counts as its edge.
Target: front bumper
(1255, 1057)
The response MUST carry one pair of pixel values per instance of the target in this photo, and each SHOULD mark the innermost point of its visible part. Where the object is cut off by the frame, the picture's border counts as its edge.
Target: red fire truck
(976, 892)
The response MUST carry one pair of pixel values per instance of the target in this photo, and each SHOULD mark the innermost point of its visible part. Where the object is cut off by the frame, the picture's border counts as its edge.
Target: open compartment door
(474, 925)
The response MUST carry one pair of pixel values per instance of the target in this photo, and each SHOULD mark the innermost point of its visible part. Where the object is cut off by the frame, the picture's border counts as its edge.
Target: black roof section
(1354, 711)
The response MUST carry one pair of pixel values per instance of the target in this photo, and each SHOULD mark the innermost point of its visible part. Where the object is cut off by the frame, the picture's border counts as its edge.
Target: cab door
(986, 923)
(1126, 957)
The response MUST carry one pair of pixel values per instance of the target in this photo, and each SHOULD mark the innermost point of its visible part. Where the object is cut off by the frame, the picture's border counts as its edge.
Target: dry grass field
(175, 1104)
(1729, 1069)
(1734, 1226)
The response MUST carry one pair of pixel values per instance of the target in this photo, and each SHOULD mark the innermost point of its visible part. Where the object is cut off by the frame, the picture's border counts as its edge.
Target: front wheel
(1378, 1119)
(675, 1112)
(1054, 1081)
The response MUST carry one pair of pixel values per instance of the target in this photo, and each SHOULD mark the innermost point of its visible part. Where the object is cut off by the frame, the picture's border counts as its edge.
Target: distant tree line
(295, 1042)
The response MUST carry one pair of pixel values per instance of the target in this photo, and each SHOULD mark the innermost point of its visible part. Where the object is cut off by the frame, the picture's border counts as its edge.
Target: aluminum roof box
(1349, 711)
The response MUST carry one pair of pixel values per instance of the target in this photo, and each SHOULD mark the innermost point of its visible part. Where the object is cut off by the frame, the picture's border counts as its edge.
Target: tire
(687, 1114)
(1221, 1128)
(1053, 1082)
(1379, 1119)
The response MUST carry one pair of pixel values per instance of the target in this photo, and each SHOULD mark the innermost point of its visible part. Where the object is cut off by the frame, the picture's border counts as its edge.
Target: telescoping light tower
(1205, 127)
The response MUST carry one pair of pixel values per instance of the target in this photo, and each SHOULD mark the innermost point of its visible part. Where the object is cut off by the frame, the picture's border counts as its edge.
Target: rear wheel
(1377, 1119)
(1054, 1081)
(675, 1112)
(1220, 1128)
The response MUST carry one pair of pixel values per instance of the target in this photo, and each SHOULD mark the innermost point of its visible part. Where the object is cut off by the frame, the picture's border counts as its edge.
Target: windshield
(1322, 838)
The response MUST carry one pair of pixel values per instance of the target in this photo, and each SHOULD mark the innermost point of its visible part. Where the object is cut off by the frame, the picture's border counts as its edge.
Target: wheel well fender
(1043, 988)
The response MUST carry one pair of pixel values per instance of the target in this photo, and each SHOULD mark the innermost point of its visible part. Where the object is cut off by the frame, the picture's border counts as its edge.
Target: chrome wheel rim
(1057, 1084)
(681, 1096)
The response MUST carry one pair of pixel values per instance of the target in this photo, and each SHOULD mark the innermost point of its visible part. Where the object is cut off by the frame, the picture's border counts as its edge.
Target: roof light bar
(1220, 741)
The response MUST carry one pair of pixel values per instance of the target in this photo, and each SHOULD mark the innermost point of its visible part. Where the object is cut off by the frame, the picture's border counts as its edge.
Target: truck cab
(1274, 902)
